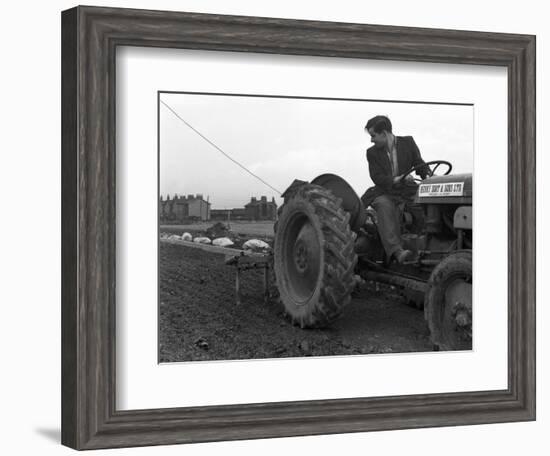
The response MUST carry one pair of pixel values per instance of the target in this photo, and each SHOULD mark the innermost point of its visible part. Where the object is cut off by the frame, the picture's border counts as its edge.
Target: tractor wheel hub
(301, 256)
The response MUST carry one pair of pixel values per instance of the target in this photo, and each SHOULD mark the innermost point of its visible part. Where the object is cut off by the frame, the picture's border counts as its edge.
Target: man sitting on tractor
(389, 159)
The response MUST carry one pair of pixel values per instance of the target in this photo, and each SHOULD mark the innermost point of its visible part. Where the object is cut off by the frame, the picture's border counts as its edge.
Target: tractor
(326, 241)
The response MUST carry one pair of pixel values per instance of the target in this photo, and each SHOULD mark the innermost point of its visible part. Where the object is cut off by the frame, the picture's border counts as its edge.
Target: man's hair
(379, 124)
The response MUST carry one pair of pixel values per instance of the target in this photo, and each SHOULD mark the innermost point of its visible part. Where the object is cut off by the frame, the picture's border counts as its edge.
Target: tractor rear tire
(448, 303)
(314, 257)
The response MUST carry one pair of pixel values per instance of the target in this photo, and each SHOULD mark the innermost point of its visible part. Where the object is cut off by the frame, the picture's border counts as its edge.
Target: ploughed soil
(200, 320)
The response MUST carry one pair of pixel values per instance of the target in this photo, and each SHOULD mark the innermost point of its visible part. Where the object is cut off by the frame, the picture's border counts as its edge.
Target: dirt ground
(200, 320)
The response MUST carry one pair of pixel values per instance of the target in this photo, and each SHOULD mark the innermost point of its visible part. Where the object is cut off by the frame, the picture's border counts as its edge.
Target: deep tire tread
(340, 259)
(455, 263)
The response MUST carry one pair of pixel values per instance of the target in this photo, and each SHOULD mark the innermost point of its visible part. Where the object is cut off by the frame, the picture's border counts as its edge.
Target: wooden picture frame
(90, 36)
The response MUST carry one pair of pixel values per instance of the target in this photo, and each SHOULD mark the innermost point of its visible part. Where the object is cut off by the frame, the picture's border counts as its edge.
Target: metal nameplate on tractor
(442, 189)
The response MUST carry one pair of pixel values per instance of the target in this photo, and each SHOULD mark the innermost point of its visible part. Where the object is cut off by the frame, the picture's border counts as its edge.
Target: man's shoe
(403, 255)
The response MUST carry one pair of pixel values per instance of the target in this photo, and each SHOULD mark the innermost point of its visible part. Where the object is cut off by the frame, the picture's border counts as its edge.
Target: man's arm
(377, 174)
(417, 159)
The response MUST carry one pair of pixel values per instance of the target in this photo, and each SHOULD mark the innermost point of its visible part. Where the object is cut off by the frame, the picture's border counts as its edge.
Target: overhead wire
(219, 148)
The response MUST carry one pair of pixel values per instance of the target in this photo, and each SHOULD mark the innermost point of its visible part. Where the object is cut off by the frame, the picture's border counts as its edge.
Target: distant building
(184, 208)
(256, 209)
(261, 209)
(167, 208)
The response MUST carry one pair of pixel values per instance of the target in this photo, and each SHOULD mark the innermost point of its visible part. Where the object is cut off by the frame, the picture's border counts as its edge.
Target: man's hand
(399, 179)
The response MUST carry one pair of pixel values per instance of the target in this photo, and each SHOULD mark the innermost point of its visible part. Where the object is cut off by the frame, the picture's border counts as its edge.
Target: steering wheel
(431, 171)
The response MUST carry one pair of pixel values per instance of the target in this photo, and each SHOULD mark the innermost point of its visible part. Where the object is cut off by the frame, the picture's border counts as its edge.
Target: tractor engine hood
(451, 189)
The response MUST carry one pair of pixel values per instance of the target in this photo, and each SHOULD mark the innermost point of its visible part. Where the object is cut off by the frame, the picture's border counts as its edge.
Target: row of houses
(184, 207)
(196, 208)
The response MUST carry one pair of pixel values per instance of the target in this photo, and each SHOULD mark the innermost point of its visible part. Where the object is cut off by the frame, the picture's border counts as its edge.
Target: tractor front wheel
(448, 303)
(314, 256)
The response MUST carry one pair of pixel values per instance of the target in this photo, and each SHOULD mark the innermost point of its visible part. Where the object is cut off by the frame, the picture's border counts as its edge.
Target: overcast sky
(281, 139)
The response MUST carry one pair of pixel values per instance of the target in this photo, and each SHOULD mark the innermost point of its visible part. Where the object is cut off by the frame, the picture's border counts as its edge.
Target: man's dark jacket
(380, 170)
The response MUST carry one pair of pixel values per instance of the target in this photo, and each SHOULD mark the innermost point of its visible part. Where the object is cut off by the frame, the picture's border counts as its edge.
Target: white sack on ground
(255, 244)
(222, 242)
(202, 240)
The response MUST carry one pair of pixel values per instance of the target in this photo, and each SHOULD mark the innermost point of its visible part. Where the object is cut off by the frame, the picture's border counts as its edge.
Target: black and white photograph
(275, 228)
(297, 226)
